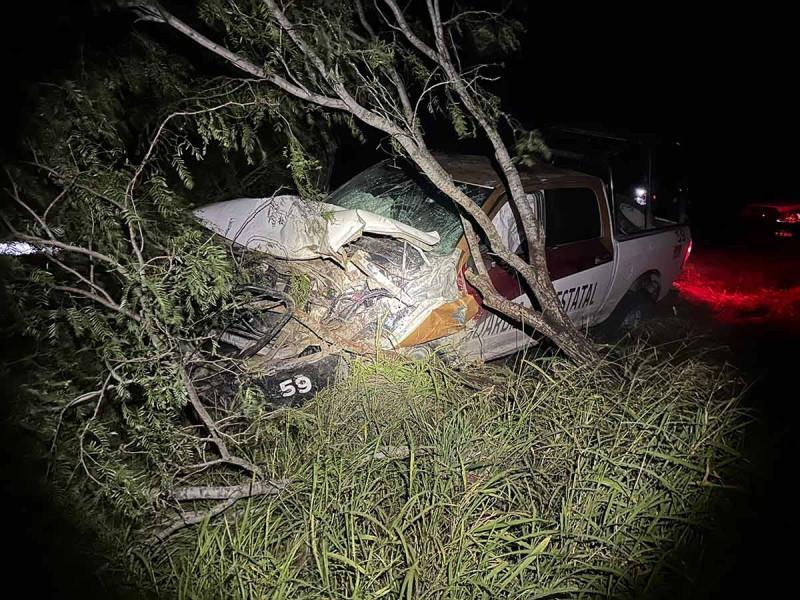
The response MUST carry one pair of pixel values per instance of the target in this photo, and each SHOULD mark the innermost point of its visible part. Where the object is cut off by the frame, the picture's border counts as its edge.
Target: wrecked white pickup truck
(380, 263)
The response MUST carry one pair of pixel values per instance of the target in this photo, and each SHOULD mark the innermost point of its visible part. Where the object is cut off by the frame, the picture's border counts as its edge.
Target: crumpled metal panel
(380, 289)
(292, 228)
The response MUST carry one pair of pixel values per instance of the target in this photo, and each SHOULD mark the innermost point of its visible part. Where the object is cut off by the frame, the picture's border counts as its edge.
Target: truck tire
(635, 307)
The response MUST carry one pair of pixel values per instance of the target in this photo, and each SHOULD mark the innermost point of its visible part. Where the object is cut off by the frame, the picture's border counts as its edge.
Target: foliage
(530, 147)
(407, 482)
(126, 290)
(299, 289)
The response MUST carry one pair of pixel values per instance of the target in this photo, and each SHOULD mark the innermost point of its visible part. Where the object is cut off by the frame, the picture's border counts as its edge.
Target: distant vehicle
(772, 221)
(402, 284)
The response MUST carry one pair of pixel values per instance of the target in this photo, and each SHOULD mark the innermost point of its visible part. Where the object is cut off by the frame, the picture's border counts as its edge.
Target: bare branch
(100, 397)
(222, 448)
(397, 81)
(230, 492)
(491, 297)
(81, 278)
(491, 14)
(14, 193)
(335, 338)
(409, 33)
(62, 411)
(362, 17)
(191, 518)
(69, 248)
(55, 201)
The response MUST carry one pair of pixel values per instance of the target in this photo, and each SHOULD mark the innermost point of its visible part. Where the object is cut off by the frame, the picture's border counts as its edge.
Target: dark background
(725, 79)
(729, 79)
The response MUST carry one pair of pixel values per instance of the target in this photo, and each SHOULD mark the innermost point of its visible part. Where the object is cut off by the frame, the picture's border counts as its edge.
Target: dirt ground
(744, 303)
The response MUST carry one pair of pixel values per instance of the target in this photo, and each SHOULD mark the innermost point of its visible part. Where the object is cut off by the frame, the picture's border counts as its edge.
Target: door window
(573, 232)
(571, 215)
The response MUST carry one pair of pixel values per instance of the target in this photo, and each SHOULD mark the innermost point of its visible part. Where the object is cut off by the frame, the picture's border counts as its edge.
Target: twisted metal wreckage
(381, 263)
(385, 289)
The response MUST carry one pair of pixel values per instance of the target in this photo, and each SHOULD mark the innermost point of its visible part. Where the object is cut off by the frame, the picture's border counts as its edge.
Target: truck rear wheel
(635, 307)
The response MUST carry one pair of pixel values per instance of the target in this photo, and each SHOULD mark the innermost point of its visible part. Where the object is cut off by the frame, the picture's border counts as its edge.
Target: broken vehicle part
(298, 380)
(380, 264)
(385, 286)
(291, 228)
(267, 337)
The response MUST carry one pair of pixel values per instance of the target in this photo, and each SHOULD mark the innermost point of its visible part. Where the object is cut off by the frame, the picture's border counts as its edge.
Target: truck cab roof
(479, 170)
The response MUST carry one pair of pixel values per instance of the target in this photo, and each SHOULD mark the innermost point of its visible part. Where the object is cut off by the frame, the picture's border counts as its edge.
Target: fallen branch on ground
(230, 492)
(222, 448)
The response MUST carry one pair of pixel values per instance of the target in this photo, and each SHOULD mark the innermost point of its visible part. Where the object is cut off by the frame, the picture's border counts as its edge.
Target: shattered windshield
(401, 193)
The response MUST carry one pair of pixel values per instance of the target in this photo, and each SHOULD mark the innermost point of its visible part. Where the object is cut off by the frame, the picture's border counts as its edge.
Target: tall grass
(412, 481)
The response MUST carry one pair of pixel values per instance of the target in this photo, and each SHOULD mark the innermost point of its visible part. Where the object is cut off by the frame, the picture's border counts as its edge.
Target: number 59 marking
(298, 383)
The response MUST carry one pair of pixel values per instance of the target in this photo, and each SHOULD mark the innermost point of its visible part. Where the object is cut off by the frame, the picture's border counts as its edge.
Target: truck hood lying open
(386, 286)
(292, 228)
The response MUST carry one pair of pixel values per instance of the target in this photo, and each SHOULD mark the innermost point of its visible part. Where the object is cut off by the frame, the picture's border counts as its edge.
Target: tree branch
(410, 139)
(369, 117)
(83, 279)
(230, 492)
(222, 448)
(69, 248)
(409, 33)
(191, 518)
(94, 297)
(245, 65)
(491, 297)
(535, 272)
(408, 111)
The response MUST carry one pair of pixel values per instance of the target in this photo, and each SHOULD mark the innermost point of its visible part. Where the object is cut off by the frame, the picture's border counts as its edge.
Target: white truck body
(384, 262)
(652, 259)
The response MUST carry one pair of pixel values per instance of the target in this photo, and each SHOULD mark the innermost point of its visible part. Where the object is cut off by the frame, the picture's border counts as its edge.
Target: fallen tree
(332, 55)
(122, 293)
(116, 293)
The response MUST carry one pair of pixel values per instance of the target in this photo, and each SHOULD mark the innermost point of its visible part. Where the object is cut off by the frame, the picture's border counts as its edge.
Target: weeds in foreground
(409, 482)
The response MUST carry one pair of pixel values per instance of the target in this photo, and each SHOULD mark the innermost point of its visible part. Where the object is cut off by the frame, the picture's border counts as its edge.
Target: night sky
(590, 66)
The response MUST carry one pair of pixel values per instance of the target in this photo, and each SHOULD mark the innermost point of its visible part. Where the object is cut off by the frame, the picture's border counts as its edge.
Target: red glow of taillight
(688, 252)
(789, 217)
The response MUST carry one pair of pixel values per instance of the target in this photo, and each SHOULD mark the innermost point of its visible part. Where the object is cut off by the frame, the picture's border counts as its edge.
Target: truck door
(579, 256)
(580, 252)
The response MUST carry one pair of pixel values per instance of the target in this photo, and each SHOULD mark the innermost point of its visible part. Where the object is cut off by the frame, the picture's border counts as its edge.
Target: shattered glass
(403, 194)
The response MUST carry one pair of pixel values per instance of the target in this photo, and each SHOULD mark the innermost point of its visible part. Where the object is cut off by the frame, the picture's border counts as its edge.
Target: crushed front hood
(292, 228)
(382, 289)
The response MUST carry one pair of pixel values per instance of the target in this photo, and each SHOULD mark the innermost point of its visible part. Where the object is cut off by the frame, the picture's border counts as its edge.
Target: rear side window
(571, 215)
